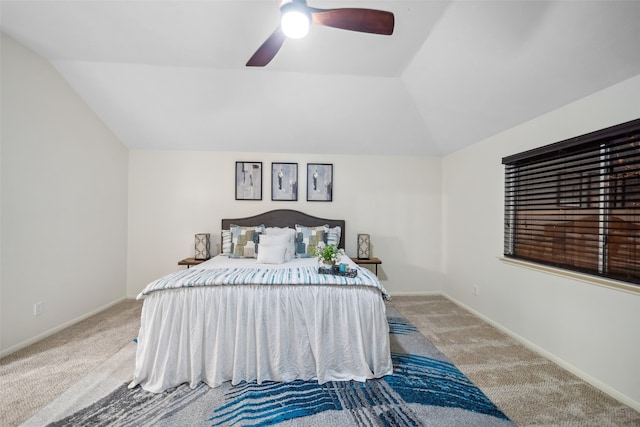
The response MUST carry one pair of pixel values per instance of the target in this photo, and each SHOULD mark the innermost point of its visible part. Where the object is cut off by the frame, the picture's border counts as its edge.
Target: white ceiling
(172, 75)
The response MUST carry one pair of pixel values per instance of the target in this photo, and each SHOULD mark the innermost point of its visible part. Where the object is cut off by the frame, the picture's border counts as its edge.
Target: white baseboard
(421, 293)
(58, 328)
(558, 361)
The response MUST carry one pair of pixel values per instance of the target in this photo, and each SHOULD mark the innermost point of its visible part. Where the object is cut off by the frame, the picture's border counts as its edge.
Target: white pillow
(226, 242)
(271, 254)
(286, 231)
(277, 240)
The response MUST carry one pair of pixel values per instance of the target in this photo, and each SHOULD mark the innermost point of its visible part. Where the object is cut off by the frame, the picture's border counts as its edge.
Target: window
(575, 204)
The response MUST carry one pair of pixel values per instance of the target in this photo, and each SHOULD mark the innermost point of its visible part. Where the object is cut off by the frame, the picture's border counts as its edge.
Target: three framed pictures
(284, 181)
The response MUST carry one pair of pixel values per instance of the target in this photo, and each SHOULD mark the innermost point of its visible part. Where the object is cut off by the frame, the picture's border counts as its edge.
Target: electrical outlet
(475, 289)
(37, 308)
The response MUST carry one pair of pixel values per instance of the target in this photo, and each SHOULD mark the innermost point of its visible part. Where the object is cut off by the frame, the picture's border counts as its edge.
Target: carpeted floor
(32, 377)
(425, 389)
(528, 388)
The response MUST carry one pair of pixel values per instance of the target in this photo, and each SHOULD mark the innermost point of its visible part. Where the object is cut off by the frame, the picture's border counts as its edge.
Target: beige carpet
(528, 388)
(32, 377)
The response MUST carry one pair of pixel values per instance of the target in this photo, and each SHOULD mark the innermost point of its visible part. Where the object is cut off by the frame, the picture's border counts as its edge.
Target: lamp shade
(203, 246)
(364, 246)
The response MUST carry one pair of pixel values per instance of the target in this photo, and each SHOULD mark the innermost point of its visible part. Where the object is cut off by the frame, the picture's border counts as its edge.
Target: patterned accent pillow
(226, 242)
(308, 238)
(245, 240)
(334, 236)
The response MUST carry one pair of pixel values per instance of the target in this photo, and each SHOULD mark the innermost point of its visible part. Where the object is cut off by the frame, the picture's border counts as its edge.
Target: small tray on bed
(335, 270)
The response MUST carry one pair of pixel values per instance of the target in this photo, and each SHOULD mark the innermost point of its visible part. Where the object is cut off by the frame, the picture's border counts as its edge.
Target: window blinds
(575, 204)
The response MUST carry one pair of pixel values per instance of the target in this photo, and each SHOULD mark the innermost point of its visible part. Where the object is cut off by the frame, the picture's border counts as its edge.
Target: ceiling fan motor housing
(295, 19)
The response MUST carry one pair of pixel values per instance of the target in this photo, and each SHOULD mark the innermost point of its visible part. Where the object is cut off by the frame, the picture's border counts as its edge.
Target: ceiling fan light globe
(294, 24)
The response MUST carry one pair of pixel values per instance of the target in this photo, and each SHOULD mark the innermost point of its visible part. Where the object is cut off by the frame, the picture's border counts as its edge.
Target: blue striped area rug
(425, 389)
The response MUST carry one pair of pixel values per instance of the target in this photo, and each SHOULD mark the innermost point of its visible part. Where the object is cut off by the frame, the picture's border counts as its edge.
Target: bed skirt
(261, 333)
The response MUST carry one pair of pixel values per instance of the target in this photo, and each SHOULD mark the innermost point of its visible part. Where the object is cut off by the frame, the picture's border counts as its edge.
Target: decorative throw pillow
(290, 233)
(333, 238)
(245, 240)
(271, 254)
(226, 242)
(277, 240)
(308, 238)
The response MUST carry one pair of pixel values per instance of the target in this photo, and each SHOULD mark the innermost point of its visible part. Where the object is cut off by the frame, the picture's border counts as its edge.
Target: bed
(245, 316)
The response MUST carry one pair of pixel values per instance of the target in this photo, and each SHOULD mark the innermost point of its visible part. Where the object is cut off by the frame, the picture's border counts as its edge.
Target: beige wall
(590, 329)
(64, 203)
(397, 200)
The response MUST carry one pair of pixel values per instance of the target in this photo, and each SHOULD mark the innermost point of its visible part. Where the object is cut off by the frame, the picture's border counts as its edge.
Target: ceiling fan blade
(355, 19)
(268, 50)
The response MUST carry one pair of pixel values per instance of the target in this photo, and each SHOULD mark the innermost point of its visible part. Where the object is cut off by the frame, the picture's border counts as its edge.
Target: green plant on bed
(329, 254)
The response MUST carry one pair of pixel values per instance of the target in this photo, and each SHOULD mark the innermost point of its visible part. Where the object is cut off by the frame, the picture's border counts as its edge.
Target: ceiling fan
(296, 11)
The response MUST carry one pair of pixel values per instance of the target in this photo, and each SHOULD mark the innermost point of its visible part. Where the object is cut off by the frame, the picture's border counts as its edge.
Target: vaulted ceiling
(171, 75)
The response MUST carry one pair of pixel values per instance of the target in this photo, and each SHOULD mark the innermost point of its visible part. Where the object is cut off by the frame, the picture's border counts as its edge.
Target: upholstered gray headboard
(286, 218)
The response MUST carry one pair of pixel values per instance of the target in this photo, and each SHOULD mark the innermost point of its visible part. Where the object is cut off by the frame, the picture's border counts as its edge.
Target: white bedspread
(230, 271)
(279, 332)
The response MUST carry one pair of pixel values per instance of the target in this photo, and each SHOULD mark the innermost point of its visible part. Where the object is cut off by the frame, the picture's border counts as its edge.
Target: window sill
(592, 280)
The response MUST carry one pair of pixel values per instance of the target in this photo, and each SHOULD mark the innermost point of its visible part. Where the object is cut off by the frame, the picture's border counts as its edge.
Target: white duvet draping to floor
(273, 332)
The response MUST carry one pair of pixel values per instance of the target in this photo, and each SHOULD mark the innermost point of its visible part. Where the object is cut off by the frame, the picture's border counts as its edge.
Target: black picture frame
(319, 182)
(248, 180)
(284, 181)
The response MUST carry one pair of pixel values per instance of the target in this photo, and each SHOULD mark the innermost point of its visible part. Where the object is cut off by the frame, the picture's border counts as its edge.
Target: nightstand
(367, 261)
(191, 261)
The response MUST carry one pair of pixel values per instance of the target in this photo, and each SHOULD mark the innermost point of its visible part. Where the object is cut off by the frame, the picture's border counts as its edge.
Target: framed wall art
(284, 181)
(248, 180)
(319, 182)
